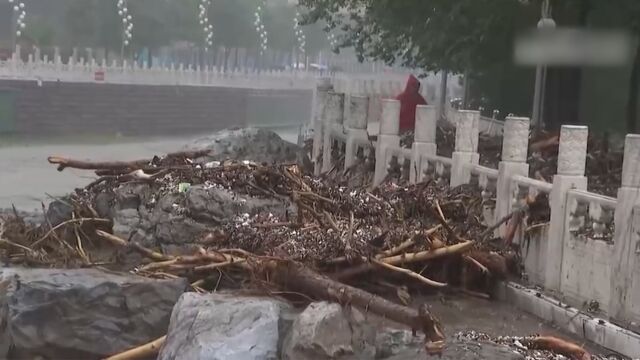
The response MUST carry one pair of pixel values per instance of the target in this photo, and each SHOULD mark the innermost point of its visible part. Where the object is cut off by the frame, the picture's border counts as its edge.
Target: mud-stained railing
(567, 238)
(486, 179)
(588, 239)
(436, 168)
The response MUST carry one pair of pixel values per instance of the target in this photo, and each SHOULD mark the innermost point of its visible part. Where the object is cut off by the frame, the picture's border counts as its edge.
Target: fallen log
(296, 277)
(64, 163)
(559, 346)
(141, 352)
(405, 259)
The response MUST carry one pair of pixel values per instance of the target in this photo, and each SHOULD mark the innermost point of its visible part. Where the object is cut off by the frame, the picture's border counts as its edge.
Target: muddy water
(26, 178)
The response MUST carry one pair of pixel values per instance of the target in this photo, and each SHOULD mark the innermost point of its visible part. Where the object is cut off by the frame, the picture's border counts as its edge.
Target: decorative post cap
(335, 108)
(390, 120)
(515, 141)
(426, 123)
(631, 161)
(572, 152)
(358, 111)
(467, 131)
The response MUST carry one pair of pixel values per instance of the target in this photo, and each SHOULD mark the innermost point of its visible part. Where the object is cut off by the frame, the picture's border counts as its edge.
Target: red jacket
(409, 99)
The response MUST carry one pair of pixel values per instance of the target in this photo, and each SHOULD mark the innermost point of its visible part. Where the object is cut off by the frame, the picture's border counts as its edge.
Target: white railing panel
(588, 249)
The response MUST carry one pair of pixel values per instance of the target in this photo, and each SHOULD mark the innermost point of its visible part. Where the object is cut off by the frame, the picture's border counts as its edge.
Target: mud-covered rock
(80, 313)
(218, 204)
(225, 327)
(59, 212)
(255, 144)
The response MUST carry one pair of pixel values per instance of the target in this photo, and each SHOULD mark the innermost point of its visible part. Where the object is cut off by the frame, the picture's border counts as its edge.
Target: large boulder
(225, 327)
(255, 144)
(328, 331)
(80, 313)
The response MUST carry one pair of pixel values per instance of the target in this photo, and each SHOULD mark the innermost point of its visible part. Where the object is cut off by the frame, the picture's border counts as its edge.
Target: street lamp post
(301, 38)
(262, 34)
(18, 23)
(546, 22)
(127, 25)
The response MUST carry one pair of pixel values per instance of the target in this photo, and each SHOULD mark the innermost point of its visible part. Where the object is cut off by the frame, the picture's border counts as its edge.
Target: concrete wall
(51, 108)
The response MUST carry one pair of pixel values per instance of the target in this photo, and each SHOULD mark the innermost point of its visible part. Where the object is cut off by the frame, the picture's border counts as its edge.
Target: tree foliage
(428, 34)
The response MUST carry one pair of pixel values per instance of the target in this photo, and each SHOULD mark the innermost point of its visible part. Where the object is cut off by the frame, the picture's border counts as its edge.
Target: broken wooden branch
(406, 258)
(115, 240)
(406, 244)
(560, 346)
(409, 273)
(141, 352)
(64, 163)
(71, 221)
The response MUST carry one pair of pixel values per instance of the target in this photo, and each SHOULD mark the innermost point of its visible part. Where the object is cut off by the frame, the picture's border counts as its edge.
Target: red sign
(99, 75)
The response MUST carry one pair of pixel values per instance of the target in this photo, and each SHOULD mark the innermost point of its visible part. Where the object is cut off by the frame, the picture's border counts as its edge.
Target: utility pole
(537, 115)
(443, 94)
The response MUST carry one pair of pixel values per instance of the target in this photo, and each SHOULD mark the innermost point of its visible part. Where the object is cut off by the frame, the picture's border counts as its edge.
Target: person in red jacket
(409, 99)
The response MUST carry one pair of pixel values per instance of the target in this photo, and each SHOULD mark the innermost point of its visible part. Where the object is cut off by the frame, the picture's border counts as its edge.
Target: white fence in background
(39, 68)
(589, 251)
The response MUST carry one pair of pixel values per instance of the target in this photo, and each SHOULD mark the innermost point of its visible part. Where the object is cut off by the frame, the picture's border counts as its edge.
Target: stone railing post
(37, 54)
(387, 138)
(515, 143)
(466, 147)
(319, 106)
(333, 115)
(355, 126)
(572, 157)
(424, 142)
(626, 253)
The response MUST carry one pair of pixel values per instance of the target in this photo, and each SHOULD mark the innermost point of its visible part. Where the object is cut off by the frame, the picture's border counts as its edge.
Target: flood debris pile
(275, 229)
(534, 347)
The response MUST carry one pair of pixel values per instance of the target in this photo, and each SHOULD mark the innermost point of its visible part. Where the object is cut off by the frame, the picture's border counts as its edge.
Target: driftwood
(405, 259)
(296, 277)
(115, 240)
(141, 352)
(64, 163)
(560, 346)
(409, 273)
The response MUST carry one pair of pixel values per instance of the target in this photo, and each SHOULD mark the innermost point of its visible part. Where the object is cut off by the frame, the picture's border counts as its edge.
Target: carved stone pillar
(572, 157)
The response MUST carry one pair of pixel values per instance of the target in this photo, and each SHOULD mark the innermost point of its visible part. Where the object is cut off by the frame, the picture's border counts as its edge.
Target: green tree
(475, 37)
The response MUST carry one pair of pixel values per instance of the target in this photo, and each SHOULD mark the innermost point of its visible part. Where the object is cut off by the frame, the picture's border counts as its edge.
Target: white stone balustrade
(586, 243)
(534, 251)
(572, 156)
(332, 125)
(625, 275)
(486, 179)
(387, 138)
(356, 127)
(318, 111)
(424, 139)
(515, 143)
(588, 252)
(466, 147)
